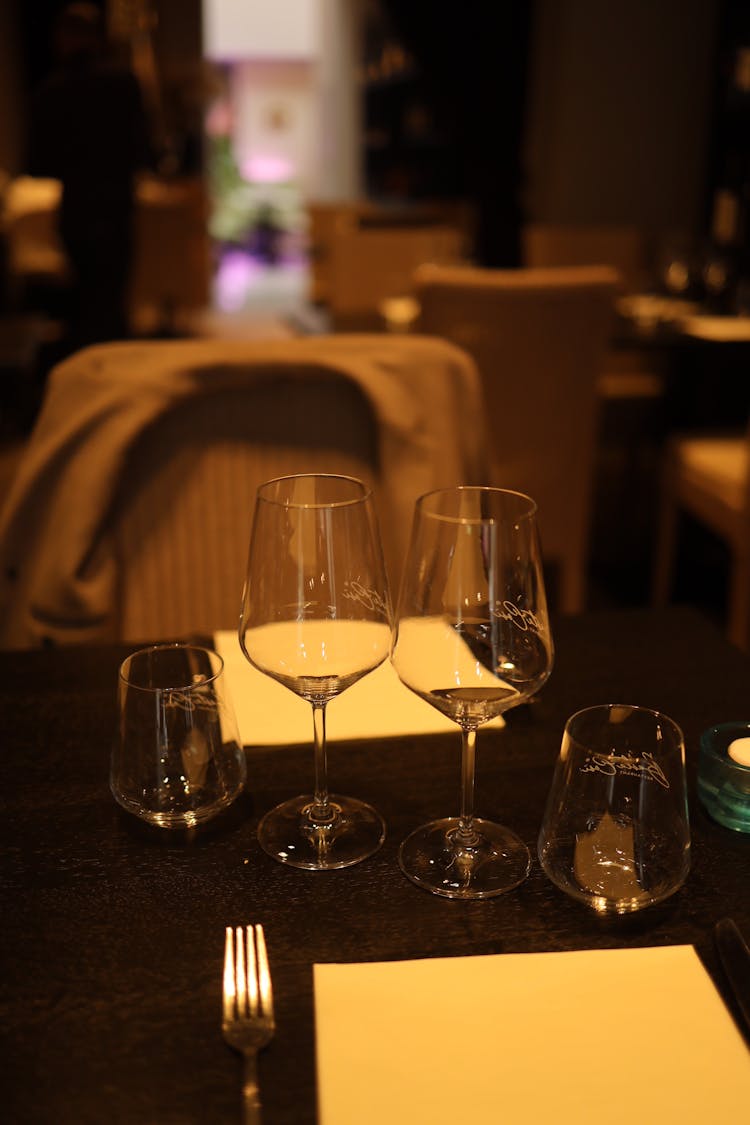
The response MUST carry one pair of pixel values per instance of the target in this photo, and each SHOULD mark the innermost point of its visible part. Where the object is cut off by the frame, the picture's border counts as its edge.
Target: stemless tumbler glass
(472, 639)
(615, 831)
(177, 759)
(316, 617)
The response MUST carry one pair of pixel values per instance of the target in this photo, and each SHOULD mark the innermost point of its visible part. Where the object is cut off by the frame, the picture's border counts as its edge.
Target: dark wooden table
(112, 935)
(706, 380)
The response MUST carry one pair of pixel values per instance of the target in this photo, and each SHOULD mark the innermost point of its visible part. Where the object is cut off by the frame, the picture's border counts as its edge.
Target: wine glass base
(288, 834)
(435, 859)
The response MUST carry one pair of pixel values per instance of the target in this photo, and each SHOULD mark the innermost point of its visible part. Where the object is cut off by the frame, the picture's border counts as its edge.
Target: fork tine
(241, 973)
(264, 976)
(230, 990)
(252, 972)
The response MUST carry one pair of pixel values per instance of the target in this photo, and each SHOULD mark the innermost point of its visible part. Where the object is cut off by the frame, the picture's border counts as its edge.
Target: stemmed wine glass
(473, 639)
(316, 617)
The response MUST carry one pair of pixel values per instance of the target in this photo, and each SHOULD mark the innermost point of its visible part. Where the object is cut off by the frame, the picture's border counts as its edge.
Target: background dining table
(702, 359)
(112, 937)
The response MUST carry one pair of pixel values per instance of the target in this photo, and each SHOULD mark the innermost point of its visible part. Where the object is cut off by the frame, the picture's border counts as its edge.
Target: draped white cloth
(58, 566)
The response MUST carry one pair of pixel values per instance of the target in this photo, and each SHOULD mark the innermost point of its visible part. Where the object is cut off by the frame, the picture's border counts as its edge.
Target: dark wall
(474, 56)
(36, 22)
(27, 56)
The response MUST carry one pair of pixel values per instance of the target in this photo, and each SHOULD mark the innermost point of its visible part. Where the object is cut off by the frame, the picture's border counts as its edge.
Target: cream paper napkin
(576, 1038)
(377, 706)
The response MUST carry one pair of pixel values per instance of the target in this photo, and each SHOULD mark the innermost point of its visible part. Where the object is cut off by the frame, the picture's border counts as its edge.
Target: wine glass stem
(466, 833)
(321, 811)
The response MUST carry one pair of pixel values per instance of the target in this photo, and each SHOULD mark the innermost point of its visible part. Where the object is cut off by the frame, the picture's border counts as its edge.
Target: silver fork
(248, 1021)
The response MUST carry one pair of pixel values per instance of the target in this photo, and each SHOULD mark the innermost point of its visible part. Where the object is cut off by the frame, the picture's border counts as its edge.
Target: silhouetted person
(89, 130)
(267, 235)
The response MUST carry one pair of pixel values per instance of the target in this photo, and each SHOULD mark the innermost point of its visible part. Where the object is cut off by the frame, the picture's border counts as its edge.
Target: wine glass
(316, 617)
(472, 638)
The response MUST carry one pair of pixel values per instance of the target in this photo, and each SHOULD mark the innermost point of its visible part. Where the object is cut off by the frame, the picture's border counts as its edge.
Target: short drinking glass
(177, 759)
(615, 831)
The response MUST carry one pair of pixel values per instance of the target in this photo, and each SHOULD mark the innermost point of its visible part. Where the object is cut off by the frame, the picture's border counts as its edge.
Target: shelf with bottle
(404, 137)
(387, 63)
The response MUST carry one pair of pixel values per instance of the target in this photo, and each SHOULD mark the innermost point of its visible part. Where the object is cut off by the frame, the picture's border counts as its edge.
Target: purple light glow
(236, 275)
(267, 169)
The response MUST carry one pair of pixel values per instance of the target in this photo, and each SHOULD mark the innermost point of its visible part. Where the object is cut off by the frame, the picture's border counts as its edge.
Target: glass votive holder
(724, 774)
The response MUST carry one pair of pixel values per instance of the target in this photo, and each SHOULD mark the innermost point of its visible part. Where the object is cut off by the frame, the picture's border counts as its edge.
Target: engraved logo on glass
(626, 765)
(199, 697)
(524, 619)
(370, 599)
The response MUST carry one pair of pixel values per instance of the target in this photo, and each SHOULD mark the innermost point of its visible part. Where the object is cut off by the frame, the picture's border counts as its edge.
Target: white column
(339, 99)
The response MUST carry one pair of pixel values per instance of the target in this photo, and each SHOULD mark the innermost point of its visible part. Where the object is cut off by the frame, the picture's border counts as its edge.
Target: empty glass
(615, 831)
(177, 759)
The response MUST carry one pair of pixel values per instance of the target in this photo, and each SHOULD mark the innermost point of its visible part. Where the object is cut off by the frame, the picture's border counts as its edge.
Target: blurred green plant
(238, 204)
(231, 217)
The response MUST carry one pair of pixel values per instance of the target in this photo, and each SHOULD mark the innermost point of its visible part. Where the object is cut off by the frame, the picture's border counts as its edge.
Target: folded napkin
(377, 706)
(572, 1038)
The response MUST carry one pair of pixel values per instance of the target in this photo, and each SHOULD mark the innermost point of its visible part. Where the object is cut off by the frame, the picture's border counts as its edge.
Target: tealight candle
(739, 751)
(724, 773)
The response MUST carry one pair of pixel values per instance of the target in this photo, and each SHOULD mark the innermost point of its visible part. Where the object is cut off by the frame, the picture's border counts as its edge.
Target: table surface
(112, 941)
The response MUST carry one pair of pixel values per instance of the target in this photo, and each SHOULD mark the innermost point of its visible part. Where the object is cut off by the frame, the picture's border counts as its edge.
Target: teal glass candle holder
(724, 774)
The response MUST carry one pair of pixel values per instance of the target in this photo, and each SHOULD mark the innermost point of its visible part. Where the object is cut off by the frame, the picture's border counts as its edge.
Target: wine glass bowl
(472, 638)
(316, 617)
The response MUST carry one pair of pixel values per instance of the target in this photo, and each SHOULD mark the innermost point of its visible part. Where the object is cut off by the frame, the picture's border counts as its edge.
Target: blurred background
(557, 111)
(282, 135)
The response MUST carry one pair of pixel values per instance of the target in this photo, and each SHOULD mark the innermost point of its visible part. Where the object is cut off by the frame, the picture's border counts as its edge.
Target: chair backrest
(329, 221)
(29, 227)
(369, 265)
(130, 514)
(324, 218)
(538, 338)
(182, 524)
(624, 248)
(171, 273)
(171, 253)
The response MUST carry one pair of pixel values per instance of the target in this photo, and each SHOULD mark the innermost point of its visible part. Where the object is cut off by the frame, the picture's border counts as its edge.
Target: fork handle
(250, 1091)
